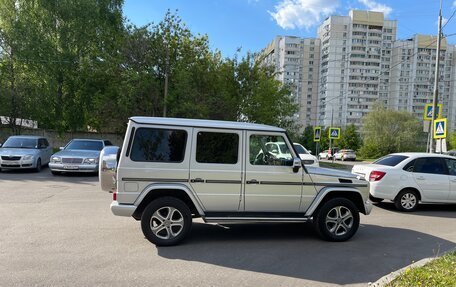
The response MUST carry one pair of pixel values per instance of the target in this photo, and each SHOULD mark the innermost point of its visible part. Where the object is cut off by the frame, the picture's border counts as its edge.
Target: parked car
(328, 154)
(410, 178)
(345, 154)
(79, 155)
(323, 154)
(305, 155)
(451, 152)
(173, 170)
(19, 152)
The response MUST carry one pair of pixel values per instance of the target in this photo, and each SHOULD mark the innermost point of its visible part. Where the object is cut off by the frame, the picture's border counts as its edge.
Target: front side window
(432, 165)
(212, 147)
(269, 150)
(451, 164)
(158, 145)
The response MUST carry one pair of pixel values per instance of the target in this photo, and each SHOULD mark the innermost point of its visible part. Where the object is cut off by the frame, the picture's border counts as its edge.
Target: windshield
(20, 143)
(390, 160)
(283, 148)
(85, 145)
(300, 149)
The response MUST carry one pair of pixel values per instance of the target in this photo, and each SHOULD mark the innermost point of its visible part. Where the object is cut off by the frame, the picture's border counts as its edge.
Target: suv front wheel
(166, 221)
(337, 220)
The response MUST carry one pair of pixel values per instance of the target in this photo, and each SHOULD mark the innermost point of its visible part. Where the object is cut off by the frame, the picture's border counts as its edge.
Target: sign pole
(435, 97)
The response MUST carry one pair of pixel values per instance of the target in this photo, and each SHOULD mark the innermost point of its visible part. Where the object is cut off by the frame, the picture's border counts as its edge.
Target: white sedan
(410, 178)
(305, 155)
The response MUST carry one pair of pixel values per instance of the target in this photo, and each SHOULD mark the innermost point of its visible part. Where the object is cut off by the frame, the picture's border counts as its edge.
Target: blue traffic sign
(334, 133)
(440, 128)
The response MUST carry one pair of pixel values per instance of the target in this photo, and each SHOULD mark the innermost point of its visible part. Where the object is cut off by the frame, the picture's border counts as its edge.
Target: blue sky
(252, 24)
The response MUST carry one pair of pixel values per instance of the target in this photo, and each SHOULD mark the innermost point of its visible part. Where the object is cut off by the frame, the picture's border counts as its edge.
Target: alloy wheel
(339, 220)
(167, 222)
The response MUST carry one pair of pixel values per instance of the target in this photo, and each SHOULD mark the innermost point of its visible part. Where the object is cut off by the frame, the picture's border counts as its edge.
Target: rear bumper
(122, 209)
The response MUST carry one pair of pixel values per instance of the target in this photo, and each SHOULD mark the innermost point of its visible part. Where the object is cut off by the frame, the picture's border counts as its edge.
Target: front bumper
(17, 164)
(73, 167)
(368, 206)
(122, 209)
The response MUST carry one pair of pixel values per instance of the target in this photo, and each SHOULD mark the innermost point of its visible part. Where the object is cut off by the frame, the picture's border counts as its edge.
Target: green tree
(350, 138)
(61, 43)
(386, 131)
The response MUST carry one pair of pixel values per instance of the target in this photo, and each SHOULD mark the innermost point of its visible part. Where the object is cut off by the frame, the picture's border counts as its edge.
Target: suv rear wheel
(337, 220)
(166, 221)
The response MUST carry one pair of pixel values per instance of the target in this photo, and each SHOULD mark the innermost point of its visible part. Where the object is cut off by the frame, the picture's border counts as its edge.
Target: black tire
(162, 212)
(375, 199)
(407, 200)
(38, 165)
(337, 220)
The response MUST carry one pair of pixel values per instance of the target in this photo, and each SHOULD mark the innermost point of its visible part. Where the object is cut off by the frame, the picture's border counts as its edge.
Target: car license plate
(70, 167)
(10, 162)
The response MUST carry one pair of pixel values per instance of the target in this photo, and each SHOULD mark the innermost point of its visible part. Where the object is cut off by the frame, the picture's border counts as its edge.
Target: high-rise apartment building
(413, 74)
(296, 62)
(354, 65)
(356, 61)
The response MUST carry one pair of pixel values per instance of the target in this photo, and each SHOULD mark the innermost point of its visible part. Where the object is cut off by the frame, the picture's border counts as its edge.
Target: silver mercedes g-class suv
(169, 171)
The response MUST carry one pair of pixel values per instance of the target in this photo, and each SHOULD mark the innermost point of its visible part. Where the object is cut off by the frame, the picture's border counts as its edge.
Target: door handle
(252, 181)
(197, 180)
(420, 178)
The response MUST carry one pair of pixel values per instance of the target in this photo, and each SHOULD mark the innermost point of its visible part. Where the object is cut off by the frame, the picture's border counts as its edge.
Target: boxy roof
(204, 123)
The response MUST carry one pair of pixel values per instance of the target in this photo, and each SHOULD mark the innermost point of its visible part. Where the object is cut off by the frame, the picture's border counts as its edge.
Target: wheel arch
(351, 194)
(418, 193)
(177, 191)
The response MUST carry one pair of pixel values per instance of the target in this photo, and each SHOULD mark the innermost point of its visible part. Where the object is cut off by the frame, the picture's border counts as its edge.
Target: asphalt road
(59, 231)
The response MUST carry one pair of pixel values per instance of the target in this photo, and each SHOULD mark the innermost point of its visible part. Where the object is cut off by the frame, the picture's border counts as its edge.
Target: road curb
(391, 276)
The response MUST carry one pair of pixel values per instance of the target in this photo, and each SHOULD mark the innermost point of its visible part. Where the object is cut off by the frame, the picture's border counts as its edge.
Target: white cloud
(378, 7)
(291, 14)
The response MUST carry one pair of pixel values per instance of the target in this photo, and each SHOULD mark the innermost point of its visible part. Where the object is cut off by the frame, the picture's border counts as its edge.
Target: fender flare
(327, 191)
(175, 186)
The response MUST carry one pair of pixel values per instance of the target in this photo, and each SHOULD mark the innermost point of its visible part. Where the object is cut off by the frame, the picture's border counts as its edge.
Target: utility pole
(165, 96)
(330, 139)
(435, 98)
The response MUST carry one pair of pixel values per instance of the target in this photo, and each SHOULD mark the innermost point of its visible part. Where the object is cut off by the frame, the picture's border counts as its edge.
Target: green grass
(439, 272)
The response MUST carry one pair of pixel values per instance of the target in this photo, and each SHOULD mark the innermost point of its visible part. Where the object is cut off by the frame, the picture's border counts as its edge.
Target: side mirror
(61, 148)
(297, 164)
(309, 151)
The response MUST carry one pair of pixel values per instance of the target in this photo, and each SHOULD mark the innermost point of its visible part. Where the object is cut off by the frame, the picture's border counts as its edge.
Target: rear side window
(390, 160)
(158, 145)
(214, 147)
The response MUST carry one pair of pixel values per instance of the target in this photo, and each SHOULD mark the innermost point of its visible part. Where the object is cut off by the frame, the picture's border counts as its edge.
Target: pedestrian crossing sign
(440, 128)
(334, 133)
(428, 111)
(317, 134)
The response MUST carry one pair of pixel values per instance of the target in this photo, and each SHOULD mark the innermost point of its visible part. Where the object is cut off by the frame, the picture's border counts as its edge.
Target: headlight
(56, 159)
(27, 157)
(91, 160)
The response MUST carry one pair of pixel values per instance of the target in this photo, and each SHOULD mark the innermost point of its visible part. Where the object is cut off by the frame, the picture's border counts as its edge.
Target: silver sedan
(79, 155)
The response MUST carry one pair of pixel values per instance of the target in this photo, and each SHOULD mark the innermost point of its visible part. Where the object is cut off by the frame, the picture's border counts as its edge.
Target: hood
(78, 153)
(330, 172)
(18, 151)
